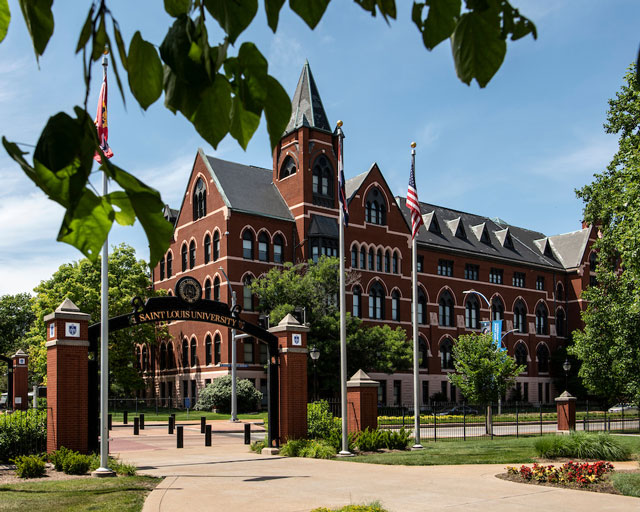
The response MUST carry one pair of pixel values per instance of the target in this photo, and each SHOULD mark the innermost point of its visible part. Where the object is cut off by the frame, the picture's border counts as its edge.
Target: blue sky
(516, 149)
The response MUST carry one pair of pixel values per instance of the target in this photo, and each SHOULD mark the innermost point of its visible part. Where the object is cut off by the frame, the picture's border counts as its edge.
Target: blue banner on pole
(496, 329)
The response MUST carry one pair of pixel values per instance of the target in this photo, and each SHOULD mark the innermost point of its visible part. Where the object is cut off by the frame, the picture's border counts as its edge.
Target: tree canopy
(16, 317)
(217, 92)
(609, 344)
(80, 282)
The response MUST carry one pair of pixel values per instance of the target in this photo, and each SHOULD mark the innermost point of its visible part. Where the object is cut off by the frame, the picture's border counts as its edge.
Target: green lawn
(498, 451)
(627, 483)
(119, 494)
(181, 415)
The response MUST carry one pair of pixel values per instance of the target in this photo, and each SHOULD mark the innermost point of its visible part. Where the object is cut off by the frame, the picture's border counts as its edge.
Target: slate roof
(247, 188)
(570, 247)
(352, 185)
(306, 108)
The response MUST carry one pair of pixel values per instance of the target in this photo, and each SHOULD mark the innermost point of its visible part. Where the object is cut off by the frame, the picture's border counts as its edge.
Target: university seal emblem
(189, 290)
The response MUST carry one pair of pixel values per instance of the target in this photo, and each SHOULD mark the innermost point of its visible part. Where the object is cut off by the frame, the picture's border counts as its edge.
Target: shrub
(58, 457)
(371, 507)
(257, 446)
(311, 448)
(29, 466)
(396, 440)
(22, 433)
(76, 463)
(292, 448)
(335, 439)
(120, 467)
(320, 421)
(582, 445)
(370, 440)
(217, 395)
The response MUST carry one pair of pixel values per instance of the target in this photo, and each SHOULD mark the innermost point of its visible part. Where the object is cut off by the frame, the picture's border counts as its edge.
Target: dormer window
(376, 208)
(288, 167)
(199, 200)
(323, 182)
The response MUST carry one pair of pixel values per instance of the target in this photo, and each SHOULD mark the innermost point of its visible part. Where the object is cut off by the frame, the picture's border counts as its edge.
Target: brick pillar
(20, 380)
(67, 378)
(362, 402)
(566, 407)
(292, 376)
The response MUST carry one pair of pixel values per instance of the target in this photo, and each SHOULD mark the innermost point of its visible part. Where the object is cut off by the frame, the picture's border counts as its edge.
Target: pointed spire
(306, 108)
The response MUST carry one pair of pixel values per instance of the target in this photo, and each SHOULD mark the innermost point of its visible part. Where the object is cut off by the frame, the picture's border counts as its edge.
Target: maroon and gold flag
(101, 123)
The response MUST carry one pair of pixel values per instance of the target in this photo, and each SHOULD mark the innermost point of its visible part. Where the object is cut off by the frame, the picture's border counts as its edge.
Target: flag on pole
(342, 194)
(101, 122)
(412, 201)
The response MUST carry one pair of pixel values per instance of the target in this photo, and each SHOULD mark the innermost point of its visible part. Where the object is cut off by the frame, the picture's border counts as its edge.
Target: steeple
(306, 108)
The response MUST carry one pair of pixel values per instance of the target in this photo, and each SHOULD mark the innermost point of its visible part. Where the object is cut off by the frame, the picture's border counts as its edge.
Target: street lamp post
(234, 357)
(315, 355)
(566, 366)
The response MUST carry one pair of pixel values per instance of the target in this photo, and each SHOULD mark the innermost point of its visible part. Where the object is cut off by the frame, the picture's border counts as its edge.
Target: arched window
(422, 307)
(185, 353)
(423, 353)
(357, 302)
(216, 246)
(169, 265)
(145, 358)
(593, 261)
(497, 308)
(162, 269)
(379, 260)
(207, 249)
(207, 350)
(387, 262)
(376, 301)
(542, 354)
(194, 360)
(521, 356)
(561, 323)
(363, 258)
(472, 313)
(137, 361)
(323, 182)
(354, 257)
(248, 350)
(216, 288)
(445, 310)
(192, 254)
(371, 267)
(520, 317)
(395, 305)
(171, 356)
(217, 343)
(247, 244)
(559, 292)
(446, 354)
(376, 207)
(263, 247)
(542, 326)
(199, 200)
(395, 263)
(247, 296)
(185, 259)
(163, 356)
(207, 289)
(288, 167)
(277, 249)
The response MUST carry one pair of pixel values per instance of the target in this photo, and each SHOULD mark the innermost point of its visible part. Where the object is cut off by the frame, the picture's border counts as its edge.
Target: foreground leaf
(39, 19)
(212, 118)
(5, 18)
(177, 7)
(243, 123)
(145, 71)
(272, 8)
(277, 110)
(440, 23)
(233, 15)
(310, 12)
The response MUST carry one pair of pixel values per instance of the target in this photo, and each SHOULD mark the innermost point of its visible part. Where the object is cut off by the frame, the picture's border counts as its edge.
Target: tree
(314, 286)
(217, 93)
(16, 317)
(484, 372)
(80, 282)
(609, 344)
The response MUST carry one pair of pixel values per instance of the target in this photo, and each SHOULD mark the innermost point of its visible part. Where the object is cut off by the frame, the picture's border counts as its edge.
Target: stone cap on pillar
(69, 311)
(566, 397)
(289, 323)
(20, 358)
(361, 380)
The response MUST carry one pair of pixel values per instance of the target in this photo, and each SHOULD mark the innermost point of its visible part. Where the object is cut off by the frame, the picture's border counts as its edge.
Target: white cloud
(285, 54)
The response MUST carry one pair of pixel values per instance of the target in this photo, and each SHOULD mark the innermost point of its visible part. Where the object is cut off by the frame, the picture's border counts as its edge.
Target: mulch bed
(8, 475)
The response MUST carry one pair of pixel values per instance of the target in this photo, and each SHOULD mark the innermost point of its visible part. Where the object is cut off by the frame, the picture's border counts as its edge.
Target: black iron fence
(144, 405)
(22, 433)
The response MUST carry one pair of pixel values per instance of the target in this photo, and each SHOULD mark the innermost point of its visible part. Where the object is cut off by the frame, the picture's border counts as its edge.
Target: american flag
(342, 194)
(101, 123)
(412, 202)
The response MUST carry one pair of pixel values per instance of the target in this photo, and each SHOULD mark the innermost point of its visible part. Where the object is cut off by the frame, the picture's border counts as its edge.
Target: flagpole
(414, 301)
(104, 470)
(343, 316)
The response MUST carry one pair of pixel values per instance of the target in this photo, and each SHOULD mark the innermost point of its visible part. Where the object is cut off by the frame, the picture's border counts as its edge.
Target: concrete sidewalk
(228, 477)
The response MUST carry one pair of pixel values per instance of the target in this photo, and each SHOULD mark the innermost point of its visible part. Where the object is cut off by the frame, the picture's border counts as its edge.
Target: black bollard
(247, 433)
(207, 436)
(125, 417)
(141, 421)
(110, 422)
(171, 424)
(179, 437)
(203, 422)
(136, 426)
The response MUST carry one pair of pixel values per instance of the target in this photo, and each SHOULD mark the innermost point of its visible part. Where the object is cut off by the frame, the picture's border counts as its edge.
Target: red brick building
(244, 220)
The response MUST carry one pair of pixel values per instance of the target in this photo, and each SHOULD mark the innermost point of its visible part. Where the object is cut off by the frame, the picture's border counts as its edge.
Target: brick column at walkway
(292, 343)
(566, 407)
(67, 378)
(362, 402)
(20, 381)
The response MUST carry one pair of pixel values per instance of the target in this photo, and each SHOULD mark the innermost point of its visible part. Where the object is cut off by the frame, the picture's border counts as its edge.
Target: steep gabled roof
(352, 185)
(570, 247)
(306, 107)
(232, 180)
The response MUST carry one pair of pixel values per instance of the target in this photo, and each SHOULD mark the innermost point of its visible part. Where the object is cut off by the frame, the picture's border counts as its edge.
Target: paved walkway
(228, 477)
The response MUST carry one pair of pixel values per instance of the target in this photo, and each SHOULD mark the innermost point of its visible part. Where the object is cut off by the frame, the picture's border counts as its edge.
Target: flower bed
(582, 474)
